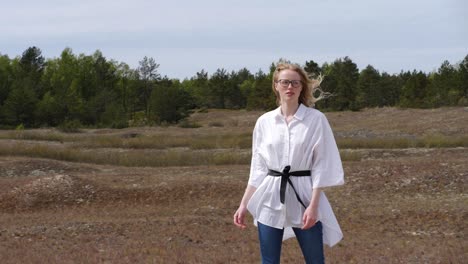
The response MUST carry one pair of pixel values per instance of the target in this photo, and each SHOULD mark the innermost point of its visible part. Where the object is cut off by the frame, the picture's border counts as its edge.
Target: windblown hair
(310, 85)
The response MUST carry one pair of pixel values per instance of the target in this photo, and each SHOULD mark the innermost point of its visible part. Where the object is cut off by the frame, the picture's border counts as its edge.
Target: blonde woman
(294, 156)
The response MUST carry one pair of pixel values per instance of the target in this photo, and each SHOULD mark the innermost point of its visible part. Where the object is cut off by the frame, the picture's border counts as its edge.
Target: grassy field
(167, 194)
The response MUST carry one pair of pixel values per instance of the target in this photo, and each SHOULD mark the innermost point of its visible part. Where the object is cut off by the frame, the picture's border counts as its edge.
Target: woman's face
(289, 86)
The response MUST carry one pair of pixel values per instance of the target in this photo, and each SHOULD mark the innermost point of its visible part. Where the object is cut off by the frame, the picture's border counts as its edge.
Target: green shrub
(119, 124)
(216, 124)
(187, 124)
(139, 120)
(70, 126)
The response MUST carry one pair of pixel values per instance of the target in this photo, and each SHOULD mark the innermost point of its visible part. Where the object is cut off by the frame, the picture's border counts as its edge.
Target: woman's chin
(289, 99)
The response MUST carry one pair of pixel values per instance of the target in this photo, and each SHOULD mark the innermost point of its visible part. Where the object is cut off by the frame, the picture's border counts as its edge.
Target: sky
(185, 37)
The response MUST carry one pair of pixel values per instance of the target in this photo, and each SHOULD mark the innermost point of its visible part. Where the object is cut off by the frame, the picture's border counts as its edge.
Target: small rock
(37, 173)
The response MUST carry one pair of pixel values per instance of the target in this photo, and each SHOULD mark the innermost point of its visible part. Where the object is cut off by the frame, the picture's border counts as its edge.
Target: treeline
(91, 90)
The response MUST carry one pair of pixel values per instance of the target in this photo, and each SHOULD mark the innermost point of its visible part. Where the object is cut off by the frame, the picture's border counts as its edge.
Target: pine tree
(369, 88)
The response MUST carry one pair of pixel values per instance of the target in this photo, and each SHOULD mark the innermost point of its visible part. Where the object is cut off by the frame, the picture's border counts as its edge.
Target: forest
(93, 91)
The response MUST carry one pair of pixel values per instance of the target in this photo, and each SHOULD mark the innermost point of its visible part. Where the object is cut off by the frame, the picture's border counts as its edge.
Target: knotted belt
(285, 179)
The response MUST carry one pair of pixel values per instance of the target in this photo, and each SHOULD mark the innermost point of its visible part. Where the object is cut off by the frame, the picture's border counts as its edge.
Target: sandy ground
(397, 206)
(393, 209)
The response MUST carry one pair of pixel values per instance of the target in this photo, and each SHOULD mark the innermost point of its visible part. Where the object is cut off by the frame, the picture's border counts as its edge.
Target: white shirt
(306, 143)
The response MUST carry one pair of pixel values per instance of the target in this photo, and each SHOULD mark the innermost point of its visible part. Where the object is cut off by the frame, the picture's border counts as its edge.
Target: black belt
(285, 179)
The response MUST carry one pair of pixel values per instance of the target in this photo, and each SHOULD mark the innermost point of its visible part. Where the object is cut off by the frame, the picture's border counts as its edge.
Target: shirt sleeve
(327, 169)
(258, 168)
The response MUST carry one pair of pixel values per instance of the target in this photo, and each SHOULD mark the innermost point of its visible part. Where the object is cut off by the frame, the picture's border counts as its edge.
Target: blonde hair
(309, 84)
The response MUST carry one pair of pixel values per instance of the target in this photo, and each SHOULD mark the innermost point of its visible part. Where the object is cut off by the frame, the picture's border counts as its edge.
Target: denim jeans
(310, 241)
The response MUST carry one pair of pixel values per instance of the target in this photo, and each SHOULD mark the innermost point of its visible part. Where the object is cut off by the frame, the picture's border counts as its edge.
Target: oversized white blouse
(306, 143)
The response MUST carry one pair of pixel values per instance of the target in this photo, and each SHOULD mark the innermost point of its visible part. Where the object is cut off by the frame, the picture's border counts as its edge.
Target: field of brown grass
(399, 205)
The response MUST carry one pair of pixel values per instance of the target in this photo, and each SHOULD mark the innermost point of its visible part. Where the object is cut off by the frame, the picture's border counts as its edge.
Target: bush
(463, 101)
(139, 120)
(216, 124)
(187, 124)
(203, 110)
(70, 126)
(119, 124)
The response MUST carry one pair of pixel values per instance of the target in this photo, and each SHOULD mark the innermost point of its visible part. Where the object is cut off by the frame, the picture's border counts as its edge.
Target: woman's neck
(289, 109)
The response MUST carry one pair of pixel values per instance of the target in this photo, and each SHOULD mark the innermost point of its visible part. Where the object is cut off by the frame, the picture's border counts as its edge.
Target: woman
(294, 156)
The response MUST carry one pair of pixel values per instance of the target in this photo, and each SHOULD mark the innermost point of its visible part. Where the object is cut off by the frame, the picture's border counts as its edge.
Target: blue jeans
(310, 240)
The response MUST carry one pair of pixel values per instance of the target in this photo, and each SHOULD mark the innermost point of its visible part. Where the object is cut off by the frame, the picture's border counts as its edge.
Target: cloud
(189, 35)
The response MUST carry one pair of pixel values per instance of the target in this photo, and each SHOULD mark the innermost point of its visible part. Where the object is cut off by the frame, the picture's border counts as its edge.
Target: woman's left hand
(309, 218)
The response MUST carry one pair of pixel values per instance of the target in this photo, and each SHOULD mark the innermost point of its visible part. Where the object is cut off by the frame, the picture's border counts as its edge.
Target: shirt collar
(300, 112)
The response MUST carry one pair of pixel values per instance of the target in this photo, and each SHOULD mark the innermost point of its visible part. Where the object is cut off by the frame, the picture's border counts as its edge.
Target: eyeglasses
(285, 83)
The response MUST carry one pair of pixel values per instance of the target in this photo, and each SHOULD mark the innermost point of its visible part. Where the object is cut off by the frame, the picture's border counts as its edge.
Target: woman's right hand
(239, 217)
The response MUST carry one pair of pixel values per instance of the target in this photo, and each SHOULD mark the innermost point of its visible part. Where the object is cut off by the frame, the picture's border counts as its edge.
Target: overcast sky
(187, 36)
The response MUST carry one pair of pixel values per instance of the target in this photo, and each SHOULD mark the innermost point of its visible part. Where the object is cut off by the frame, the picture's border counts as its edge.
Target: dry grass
(193, 140)
(370, 128)
(197, 155)
(130, 158)
(429, 141)
(395, 209)
(399, 205)
(391, 121)
(33, 135)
